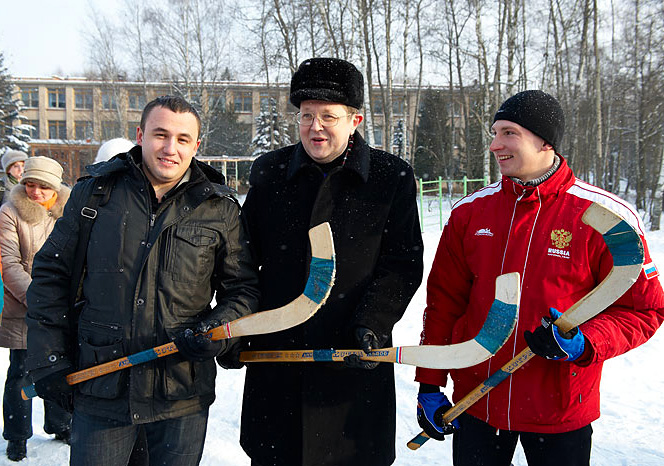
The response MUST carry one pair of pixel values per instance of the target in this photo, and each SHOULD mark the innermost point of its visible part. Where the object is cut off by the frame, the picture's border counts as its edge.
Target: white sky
(45, 37)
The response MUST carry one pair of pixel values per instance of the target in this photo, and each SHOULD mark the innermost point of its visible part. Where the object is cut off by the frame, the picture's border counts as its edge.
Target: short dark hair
(175, 104)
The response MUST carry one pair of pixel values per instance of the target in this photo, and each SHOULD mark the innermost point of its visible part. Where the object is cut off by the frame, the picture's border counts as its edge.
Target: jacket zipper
(105, 325)
(523, 278)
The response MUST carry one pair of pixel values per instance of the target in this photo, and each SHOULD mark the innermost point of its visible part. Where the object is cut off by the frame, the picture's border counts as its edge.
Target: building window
(83, 130)
(243, 102)
(56, 97)
(378, 136)
(30, 97)
(57, 129)
(110, 130)
(108, 101)
(397, 105)
(216, 101)
(378, 105)
(265, 102)
(131, 129)
(452, 109)
(136, 100)
(83, 98)
(31, 128)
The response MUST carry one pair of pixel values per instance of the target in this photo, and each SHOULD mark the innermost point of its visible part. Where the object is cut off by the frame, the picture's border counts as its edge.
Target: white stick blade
(321, 279)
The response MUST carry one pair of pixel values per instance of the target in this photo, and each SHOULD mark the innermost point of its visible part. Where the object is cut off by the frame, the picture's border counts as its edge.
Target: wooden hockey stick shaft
(626, 249)
(495, 331)
(321, 278)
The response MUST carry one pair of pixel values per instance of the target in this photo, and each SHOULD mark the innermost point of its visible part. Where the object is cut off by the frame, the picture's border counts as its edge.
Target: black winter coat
(149, 275)
(322, 413)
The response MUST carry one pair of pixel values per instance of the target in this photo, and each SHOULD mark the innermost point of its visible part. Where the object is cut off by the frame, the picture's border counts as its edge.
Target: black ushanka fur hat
(328, 79)
(536, 111)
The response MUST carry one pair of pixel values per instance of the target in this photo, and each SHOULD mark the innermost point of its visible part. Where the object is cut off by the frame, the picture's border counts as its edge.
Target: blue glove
(430, 410)
(547, 341)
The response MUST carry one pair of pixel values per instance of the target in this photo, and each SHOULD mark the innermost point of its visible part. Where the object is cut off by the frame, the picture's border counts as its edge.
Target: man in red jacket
(530, 222)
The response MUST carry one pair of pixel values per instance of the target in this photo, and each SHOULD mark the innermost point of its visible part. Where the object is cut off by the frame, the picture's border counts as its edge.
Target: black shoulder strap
(101, 193)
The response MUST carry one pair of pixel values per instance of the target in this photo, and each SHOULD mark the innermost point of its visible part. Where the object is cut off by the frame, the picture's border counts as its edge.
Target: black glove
(548, 342)
(368, 342)
(196, 346)
(54, 387)
(230, 359)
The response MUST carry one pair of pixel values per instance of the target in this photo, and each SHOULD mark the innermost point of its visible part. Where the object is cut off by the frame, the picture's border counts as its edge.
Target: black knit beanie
(328, 79)
(536, 111)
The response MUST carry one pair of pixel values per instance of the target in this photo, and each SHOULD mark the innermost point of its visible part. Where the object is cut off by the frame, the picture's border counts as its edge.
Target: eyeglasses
(326, 119)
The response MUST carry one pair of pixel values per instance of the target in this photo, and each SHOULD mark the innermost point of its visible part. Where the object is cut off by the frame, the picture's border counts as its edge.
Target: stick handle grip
(109, 367)
(478, 392)
(324, 355)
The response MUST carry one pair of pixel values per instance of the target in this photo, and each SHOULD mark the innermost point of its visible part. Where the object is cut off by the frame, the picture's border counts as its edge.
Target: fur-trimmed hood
(30, 211)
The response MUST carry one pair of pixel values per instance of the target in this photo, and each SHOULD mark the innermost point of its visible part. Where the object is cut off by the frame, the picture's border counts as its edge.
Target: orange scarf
(50, 203)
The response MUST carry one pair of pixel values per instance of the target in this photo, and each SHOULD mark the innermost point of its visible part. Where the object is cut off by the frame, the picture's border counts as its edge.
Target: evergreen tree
(433, 157)
(398, 140)
(226, 135)
(271, 130)
(13, 129)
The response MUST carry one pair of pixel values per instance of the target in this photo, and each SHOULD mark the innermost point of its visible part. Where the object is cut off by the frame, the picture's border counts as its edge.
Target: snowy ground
(629, 432)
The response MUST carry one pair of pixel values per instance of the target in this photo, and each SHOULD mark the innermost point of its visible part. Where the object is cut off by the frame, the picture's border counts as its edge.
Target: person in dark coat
(329, 413)
(167, 237)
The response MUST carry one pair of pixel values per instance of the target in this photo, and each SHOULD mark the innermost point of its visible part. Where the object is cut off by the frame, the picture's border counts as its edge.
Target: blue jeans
(99, 441)
(17, 412)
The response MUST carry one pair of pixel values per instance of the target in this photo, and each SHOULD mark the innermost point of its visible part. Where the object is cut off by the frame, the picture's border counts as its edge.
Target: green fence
(435, 187)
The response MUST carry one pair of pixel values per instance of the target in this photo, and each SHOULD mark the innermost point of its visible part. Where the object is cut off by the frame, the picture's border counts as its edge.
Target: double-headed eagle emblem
(561, 238)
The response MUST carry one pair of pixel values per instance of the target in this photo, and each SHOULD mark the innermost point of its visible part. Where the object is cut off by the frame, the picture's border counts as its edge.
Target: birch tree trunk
(600, 176)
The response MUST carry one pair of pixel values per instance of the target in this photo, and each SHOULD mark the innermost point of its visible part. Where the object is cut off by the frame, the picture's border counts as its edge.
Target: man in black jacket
(329, 413)
(166, 238)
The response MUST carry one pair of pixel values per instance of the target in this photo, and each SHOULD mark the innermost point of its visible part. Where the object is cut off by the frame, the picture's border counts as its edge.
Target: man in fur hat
(330, 413)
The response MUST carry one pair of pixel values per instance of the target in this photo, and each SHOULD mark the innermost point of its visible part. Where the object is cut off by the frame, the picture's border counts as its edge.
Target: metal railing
(435, 187)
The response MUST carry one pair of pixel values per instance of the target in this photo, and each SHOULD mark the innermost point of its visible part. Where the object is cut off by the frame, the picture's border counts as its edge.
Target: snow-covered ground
(629, 432)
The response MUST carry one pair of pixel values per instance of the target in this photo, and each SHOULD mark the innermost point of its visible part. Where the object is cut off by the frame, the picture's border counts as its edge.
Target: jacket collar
(358, 160)
(557, 183)
(30, 211)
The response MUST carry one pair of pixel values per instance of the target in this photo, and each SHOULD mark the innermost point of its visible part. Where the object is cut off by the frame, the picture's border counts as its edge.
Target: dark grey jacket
(149, 275)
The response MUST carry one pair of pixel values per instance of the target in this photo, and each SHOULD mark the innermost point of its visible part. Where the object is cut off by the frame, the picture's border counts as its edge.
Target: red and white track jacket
(538, 232)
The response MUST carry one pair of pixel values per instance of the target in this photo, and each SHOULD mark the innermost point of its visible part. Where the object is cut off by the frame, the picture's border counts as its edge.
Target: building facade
(72, 117)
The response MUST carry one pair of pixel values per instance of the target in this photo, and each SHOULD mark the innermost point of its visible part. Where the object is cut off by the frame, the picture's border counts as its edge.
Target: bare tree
(598, 156)
(108, 68)
(603, 64)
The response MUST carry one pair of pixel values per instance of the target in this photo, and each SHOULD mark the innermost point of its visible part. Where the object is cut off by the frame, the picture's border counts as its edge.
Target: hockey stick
(497, 328)
(321, 278)
(626, 249)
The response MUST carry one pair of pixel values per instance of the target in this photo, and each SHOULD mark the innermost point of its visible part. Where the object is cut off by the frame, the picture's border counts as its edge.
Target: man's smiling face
(169, 141)
(519, 152)
(326, 143)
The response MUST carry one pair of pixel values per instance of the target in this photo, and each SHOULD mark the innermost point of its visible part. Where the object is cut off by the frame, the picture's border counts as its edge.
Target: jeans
(98, 441)
(478, 444)
(17, 413)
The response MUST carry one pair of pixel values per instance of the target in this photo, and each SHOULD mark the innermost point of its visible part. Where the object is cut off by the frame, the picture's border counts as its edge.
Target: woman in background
(26, 219)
